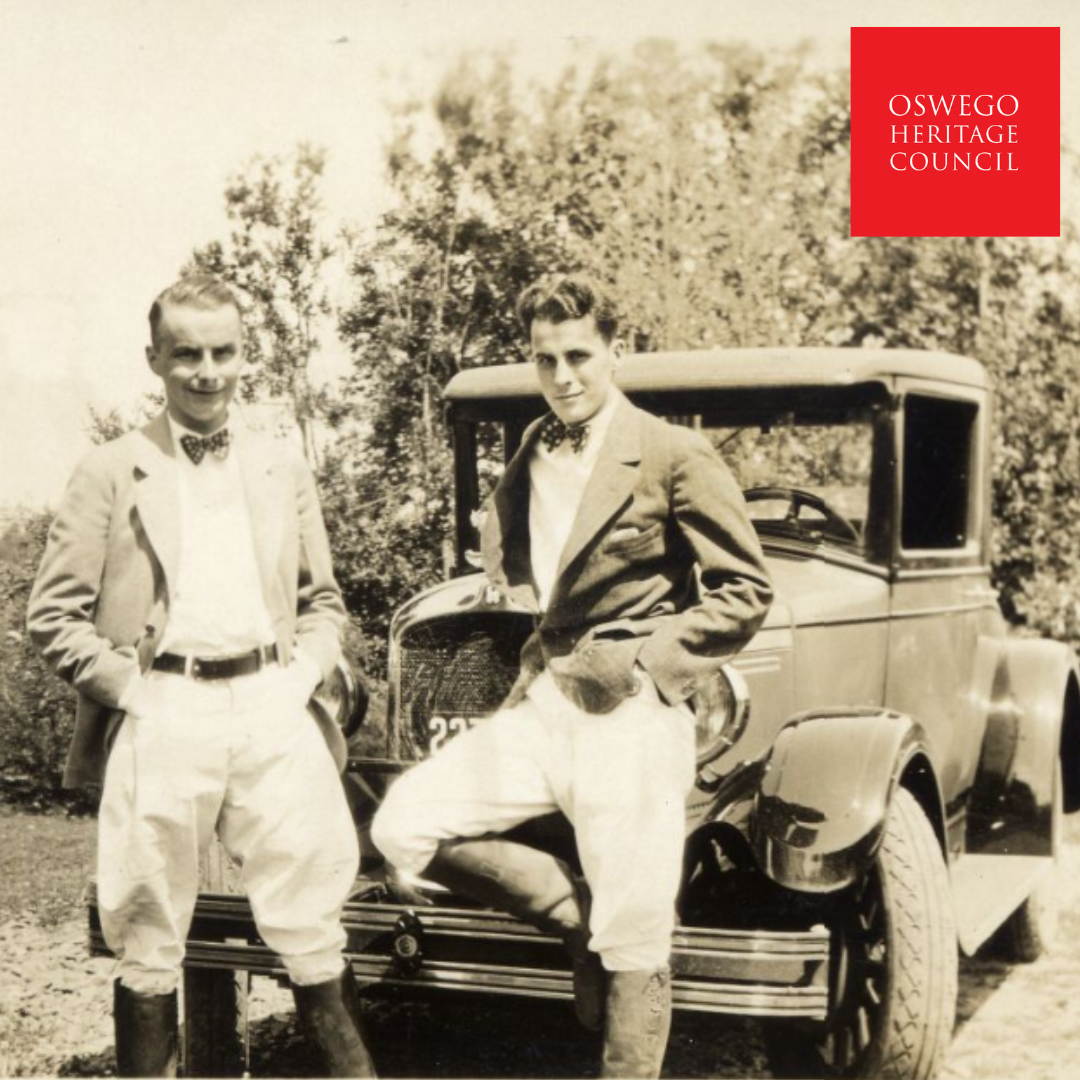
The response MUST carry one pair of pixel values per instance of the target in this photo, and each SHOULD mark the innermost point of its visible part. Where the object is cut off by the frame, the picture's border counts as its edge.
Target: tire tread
(927, 977)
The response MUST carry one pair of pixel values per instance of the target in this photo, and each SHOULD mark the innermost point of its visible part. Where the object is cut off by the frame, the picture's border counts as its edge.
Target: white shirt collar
(601, 421)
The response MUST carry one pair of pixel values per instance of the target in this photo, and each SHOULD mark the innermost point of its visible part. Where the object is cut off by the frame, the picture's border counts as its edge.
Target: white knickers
(621, 778)
(242, 755)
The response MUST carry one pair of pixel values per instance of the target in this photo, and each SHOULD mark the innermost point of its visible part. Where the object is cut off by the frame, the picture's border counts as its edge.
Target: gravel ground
(1014, 1021)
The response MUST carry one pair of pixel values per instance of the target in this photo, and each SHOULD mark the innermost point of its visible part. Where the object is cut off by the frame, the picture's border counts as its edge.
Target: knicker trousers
(242, 755)
(620, 777)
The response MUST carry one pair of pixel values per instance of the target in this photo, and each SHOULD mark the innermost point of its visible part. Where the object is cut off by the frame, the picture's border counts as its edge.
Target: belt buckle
(196, 667)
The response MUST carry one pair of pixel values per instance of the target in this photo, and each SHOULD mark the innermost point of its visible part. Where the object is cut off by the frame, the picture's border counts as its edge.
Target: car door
(943, 610)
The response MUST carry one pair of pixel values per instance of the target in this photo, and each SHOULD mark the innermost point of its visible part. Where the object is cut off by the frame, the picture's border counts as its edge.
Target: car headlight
(721, 711)
(342, 699)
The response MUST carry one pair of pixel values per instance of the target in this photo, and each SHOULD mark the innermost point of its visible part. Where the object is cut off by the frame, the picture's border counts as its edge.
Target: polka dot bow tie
(195, 448)
(553, 431)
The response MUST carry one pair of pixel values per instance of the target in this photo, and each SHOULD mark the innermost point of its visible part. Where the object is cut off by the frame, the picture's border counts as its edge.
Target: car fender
(1034, 694)
(819, 811)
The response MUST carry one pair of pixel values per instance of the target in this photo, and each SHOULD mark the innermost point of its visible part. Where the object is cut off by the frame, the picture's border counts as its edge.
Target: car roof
(739, 369)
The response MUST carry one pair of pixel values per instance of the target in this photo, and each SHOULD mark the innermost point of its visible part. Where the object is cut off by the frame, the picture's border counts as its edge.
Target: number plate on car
(441, 729)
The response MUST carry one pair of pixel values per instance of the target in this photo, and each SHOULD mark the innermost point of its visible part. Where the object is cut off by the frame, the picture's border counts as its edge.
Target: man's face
(576, 367)
(198, 356)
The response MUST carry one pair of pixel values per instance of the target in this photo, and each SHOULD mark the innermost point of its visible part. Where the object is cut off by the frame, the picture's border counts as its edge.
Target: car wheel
(893, 966)
(1031, 929)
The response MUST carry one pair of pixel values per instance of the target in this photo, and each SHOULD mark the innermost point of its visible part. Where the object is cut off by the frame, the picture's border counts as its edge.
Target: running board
(987, 889)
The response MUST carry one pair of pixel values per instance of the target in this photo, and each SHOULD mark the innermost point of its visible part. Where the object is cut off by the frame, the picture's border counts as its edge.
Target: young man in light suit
(629, 540)
(186, 592)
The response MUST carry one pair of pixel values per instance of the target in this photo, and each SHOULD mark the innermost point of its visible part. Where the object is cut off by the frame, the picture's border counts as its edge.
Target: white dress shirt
(557, 482)
(217, 606)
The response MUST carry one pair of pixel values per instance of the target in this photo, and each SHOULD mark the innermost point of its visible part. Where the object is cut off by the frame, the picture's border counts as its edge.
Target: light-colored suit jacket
(662, 566)
(101, 600)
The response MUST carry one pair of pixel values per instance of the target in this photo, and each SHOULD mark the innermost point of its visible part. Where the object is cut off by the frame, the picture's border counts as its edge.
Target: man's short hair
(568, 296)
(196, 290)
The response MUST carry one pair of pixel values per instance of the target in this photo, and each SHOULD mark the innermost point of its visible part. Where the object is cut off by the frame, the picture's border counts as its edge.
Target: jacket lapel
(505, 546)
(157, 495)
(612, 482)
(157, 498)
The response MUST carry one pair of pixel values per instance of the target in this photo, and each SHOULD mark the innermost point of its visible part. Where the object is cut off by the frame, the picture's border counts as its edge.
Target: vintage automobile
(882, 772)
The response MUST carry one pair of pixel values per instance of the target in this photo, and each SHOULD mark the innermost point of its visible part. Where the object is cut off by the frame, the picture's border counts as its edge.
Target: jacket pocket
(598, 676)
(617, 544)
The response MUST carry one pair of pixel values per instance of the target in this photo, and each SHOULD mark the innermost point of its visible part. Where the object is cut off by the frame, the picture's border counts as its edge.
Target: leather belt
(216, 667)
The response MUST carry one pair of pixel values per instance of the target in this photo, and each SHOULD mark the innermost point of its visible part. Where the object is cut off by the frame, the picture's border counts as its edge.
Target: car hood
(811, 591)
(807, 591)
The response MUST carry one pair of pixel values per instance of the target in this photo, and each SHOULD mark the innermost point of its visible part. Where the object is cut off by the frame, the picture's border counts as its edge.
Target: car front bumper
(431, 948)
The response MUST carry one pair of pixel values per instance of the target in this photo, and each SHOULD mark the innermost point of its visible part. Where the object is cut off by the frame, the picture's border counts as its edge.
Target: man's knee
(394, 833)
(384, 832)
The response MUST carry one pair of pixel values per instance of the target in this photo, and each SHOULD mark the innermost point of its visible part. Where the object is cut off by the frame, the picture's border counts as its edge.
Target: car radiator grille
(458, 669)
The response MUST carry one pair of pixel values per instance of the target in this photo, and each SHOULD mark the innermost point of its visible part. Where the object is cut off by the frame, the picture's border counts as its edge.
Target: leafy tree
(105, 425)
(711, 189)
(276, 256)
(36, 709)
(434, 286)
(1008, 302)
(638, 171)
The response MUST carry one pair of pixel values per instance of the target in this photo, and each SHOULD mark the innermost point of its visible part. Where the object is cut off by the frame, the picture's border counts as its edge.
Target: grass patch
(45, 862)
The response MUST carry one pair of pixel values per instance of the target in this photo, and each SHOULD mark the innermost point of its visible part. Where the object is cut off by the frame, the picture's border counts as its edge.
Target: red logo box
(955, 131)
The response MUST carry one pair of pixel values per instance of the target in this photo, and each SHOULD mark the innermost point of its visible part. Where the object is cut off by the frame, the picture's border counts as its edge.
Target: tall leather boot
(146, 1032)
(538, 888)
(637, 1024)
(329, 1014)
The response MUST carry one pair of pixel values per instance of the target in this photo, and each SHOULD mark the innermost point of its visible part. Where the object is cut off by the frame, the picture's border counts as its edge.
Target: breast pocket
(629, 540)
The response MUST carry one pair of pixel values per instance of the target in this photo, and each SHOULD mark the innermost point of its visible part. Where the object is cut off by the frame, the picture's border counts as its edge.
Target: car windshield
(806, 477)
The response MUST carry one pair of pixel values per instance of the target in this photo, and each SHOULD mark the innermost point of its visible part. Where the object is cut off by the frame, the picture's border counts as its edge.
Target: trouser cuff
(637, 957)
(148, 982)
(313, 969)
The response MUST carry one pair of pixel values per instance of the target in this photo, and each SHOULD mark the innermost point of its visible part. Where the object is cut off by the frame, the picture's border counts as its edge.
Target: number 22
(443, 728)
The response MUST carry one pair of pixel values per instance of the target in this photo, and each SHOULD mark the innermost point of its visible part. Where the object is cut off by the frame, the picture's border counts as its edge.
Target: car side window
(939, 462)
(804, 474)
